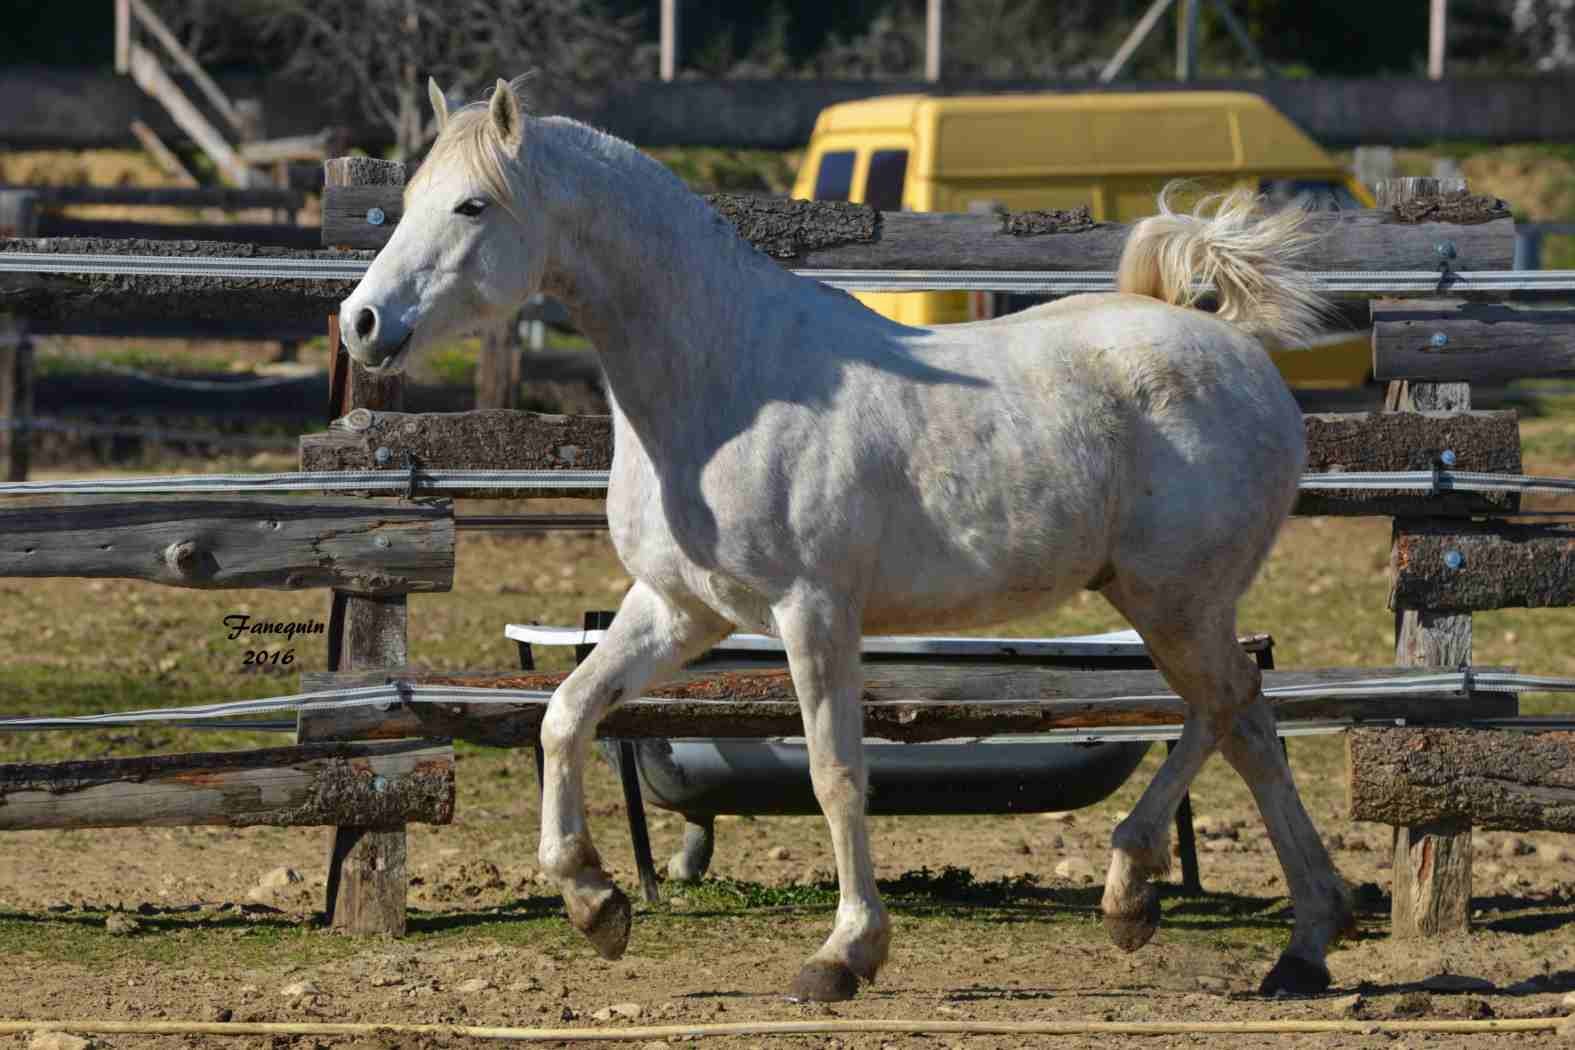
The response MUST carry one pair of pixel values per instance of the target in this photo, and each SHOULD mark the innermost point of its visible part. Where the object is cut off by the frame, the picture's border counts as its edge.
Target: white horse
(790, 462)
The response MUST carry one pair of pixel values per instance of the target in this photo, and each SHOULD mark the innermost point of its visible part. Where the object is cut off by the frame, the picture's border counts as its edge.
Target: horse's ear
(439, 103)
(504, 109)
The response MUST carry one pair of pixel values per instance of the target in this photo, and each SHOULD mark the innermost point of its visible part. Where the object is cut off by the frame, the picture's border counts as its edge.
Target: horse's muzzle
(372, 339)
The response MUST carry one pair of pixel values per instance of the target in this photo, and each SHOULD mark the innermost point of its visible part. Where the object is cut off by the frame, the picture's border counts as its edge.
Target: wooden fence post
(1432, 862)
(498, 366)
(18, 218)
(366, 867)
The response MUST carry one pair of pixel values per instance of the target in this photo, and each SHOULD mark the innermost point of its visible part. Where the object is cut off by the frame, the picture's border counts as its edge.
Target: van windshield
(835, 177)
(883, 184)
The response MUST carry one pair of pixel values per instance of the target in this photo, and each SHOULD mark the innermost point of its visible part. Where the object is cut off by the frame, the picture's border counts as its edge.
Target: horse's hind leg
(821, 635)
(649, 639)
(1197, 651)
(1319, 895)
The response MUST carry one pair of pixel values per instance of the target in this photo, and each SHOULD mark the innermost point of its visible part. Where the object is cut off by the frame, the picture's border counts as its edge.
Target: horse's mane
(465, 140)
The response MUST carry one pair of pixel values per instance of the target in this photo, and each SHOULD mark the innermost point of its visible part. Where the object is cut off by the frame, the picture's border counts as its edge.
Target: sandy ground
(203, 937)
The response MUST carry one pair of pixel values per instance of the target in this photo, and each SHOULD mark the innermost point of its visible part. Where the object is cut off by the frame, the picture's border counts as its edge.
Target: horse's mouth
(393, 361)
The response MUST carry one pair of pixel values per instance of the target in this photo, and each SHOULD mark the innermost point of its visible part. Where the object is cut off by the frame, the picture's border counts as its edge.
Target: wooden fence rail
(906, 702)
(834, 235)
(212, 542)
(514, 440)
(321, 784)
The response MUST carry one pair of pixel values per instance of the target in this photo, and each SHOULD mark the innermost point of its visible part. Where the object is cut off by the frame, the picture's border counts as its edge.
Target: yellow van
(1111, 152)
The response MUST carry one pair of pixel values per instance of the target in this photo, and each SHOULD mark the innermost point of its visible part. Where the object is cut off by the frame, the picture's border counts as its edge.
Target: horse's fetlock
(1147, 846)
(565, 857)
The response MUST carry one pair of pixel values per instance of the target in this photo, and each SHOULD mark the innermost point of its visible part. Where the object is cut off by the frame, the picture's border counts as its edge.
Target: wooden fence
(186, 541)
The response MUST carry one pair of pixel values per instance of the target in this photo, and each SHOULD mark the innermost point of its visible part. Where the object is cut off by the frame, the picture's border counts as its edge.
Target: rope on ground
(765, 1028)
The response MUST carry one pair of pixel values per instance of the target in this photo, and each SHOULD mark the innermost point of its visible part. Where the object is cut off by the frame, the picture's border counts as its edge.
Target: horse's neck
(659, 283)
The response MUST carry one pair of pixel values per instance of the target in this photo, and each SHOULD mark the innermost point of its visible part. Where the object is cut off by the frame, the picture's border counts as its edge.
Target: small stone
(1457, 982)
(1568, 1002)
(1064, 817)
(1350, 1006)
(386, 980)
(1212, 984)
(299, 989)
(272, 882)
(1552, 853)
(1414, 1004)
(568, 1013)
(1513, 846)
(628, 1011)
(1211, 845)
(1025, 849)
(121, 925)
(1075, 869)
(58, 1041)
(223, 1014)
(781, 853)
(474, 985)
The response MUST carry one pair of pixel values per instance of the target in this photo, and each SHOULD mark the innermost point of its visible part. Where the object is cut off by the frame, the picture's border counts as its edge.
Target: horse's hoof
(608, 926)
(1293, 975)
(1131, 930)
(824, 982)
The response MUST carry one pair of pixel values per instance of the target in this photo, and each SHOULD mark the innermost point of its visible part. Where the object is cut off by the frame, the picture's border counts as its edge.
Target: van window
(835, 177)
(1317, 194)
(883, 185)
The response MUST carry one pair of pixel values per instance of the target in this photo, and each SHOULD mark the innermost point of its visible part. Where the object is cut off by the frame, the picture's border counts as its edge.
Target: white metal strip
(1333, 282)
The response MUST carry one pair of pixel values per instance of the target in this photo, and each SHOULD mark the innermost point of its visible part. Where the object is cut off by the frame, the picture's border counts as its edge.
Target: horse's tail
(1246, 255)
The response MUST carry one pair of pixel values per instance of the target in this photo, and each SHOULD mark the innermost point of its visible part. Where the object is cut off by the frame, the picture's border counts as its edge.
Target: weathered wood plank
(1456, 567)
(1432, 861)
(18, 218)
(17, 395)
(1491, 778)
(348, 212)
(1388, 441)
(293, 147)
(366, 869)
(511, 440)
(909, 702)
(498, 366)
(1472, 342)
(151, 78)
(212, 542)
(101, 297)
(377, 783)
(269, 234)
(835, 235)
(486, 439)
(226, 198)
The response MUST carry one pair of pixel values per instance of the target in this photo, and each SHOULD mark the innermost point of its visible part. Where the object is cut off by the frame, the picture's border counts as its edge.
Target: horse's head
(461, 256)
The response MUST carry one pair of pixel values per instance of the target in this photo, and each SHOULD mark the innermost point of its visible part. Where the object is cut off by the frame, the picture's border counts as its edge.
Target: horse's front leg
(821, 635)
(649, 639)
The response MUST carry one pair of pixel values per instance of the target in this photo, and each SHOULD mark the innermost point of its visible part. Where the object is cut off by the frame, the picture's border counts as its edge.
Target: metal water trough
(704, 778)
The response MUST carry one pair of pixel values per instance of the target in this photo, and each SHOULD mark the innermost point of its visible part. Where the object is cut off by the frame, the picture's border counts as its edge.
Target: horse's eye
(470, 208)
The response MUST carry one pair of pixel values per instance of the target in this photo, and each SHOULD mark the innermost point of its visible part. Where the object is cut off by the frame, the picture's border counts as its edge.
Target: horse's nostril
(365, 322)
